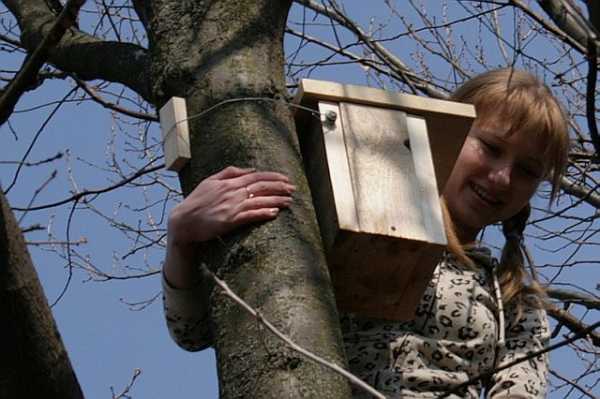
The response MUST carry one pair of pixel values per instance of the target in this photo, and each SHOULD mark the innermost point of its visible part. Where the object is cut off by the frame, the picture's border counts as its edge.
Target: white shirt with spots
(452, 339)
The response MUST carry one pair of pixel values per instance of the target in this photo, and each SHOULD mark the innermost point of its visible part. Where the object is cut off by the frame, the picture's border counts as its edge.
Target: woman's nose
(501, 176)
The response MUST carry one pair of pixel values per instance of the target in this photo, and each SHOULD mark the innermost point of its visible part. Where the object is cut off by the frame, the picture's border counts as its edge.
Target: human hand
(226, 200)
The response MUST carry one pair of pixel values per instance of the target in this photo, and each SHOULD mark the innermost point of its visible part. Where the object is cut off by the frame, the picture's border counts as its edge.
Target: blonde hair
(519, 98)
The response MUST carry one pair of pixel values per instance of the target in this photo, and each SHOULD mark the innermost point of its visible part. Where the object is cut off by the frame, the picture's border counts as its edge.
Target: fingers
(246, 176)
(254, 177)
(264, 202)
(255, 215)
(231, 172)
(260, 208)
(269, 188)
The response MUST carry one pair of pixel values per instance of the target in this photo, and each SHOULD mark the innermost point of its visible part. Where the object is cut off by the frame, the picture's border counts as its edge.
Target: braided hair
(511, 271)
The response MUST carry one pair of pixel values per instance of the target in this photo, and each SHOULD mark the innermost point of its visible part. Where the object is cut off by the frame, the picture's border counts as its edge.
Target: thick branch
(385, 69)
(573, 324)
(591, 95)
(558, 32)
(27, 76)
(395, 63)
(574, 297)
(569, 19)
(143, 11)
(594, 13)
(587, 195)
(82, 54)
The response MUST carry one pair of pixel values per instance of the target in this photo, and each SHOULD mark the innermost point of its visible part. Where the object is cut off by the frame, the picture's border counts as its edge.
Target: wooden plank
(379, 276)
(317, 172)
(382, 172)
(339, 172)
(429, 198)
(175, 133)
(335, 92)
(446, 137)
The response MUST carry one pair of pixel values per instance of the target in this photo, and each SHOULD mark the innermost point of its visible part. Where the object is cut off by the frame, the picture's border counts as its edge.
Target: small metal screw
(331, 116)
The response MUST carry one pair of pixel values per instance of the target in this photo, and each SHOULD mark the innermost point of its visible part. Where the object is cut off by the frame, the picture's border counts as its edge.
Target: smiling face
(495, 176)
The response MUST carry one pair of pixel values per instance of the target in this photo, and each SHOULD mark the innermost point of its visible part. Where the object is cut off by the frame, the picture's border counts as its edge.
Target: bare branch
(114, 107)
(521, 359)
(125, 393)
(77, 197)
(82, 54)
(428, 89)
(249, 309)
(26, 78)
(557, 31)
(570, 321)
(143, 11)
(570, 187)
(591, 94)
(574, 297)
(37, 135)
(594, 13)
(569, 19)
(399, 67)
(573, 384)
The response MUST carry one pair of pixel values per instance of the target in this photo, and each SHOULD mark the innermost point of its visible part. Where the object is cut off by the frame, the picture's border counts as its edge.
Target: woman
(477, 314)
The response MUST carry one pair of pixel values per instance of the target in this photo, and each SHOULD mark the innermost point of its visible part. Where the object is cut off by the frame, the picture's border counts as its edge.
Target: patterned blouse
(454, 337)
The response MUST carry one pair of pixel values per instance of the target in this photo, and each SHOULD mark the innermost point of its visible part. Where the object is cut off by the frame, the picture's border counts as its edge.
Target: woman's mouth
(483, 195)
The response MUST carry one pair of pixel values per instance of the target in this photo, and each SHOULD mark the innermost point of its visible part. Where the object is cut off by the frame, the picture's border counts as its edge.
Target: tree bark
(34, 362)
(210, 52)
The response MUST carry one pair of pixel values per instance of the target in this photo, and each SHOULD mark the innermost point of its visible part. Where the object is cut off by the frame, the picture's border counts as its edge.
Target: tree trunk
(33, 360)
(208, 52)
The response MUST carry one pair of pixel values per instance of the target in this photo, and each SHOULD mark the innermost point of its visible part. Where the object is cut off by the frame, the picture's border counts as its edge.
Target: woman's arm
(220, 203)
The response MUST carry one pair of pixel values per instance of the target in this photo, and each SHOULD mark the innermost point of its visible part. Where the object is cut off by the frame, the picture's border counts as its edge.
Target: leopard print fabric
(186, 316)
(452, 339)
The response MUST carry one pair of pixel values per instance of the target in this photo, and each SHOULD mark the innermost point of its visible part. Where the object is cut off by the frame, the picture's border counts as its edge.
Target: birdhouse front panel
(391, 172)
(376, 170)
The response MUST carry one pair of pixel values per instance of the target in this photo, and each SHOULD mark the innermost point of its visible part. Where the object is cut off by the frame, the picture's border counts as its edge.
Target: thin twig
(36, 136)
(575, 337)
(80, 195)
(124, 394)
(81, 241)
(109, 105)
(351, 377)
(576, 386)
(69, 263)
(37, 192)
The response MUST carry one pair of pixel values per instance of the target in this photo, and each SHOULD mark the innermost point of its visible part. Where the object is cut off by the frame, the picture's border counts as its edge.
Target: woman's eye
(491, 148)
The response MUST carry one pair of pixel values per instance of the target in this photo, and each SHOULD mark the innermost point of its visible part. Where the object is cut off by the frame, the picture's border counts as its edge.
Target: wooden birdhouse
(377, 162)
